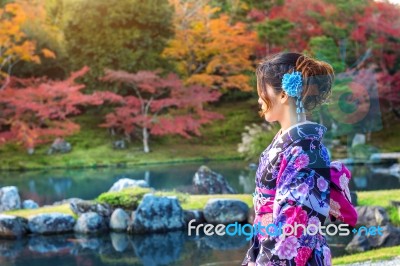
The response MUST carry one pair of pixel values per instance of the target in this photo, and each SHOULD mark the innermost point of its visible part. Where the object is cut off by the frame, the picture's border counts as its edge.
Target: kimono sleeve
(302, 198)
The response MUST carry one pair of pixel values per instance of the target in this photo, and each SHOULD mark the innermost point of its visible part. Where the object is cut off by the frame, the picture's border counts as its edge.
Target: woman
(293, 177)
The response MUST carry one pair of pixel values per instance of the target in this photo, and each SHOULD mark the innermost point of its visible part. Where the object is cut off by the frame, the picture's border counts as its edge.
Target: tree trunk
(146, 148)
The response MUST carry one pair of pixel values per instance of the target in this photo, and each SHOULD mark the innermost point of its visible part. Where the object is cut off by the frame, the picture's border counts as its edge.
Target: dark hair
(318, 77)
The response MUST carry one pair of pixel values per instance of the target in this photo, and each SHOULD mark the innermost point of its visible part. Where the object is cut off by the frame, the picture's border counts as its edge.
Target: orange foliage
(14, 44)
(208, 49)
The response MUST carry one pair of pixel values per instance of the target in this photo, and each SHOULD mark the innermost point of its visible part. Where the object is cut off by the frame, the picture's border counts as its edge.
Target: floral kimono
(292, 186)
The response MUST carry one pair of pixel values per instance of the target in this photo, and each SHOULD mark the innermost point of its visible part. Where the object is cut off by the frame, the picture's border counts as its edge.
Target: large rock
(128, 183)
(362, 242)
(29, 204)
(80, 207)
(51, 223)
(371, 216)
(206, 181)
(59, 146)
(157, 214)
(119, 220)
(12, 227)
(119, 145)
(225, 211)
(90, 222)
(9, 198)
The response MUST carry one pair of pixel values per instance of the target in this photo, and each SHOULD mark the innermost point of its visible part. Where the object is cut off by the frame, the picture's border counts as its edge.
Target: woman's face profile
(275, 110)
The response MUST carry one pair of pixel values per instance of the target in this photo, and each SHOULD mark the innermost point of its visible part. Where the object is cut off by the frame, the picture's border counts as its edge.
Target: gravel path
(391, 262)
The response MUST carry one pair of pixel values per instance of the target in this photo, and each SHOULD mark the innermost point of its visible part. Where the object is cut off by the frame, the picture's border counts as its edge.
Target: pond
(174, 248)
(48, 186)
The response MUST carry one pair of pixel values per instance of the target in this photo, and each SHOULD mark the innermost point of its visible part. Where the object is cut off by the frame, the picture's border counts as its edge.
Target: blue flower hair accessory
(292, 84)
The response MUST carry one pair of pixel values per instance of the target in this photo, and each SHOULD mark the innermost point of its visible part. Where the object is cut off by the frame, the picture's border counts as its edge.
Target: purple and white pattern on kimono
(292, 187)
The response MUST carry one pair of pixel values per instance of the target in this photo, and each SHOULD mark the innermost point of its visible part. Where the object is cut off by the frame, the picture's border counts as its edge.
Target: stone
(119, 145)
(12, 227)
(225, 211)
(89, 223)
(51, 223)
(29, 204)
(157, 214)
(358, 139)
(371, 216)
(66, 201)
(127, 183)
(9, 198)
(196, 215)
(206, 181)
(59, 146)
(362, 242)
(119, 220)
(84, 206)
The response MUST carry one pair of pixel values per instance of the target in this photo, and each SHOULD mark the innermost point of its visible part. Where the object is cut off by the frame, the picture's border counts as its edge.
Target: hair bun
(318, 78)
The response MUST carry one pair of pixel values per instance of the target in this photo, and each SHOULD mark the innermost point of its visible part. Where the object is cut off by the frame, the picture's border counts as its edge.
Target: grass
(92, 146)
(371, 255)
(64, 208)
(381, 198)
(197, 202)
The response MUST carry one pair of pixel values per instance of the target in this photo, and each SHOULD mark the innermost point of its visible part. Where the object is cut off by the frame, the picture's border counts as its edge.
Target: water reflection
(174, 248)
(48, 186)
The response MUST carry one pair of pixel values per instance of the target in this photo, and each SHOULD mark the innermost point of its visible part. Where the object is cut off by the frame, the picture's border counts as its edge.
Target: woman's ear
(284, 97)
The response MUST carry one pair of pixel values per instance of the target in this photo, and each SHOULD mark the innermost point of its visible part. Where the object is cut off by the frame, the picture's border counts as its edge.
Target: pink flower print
(301, 161)
(302, 256)
(314, 221)
(286, 247)
(327, 256)
(296, 215)
(296, 150)
(322, 184)
(344, 184)
(303, 189)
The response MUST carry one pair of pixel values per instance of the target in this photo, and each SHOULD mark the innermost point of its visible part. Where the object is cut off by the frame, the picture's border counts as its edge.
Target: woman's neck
(291, 120)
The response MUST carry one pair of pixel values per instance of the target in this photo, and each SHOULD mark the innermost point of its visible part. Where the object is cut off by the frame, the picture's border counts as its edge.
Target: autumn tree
(14, 46)
(158, 106)
(377, 33)
(43, 27)
(36, 110)
(207, 49)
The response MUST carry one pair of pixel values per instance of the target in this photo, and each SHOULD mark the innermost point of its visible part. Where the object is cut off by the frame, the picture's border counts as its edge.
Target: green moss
(373, 255)
(127, 199)
(130, 198)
